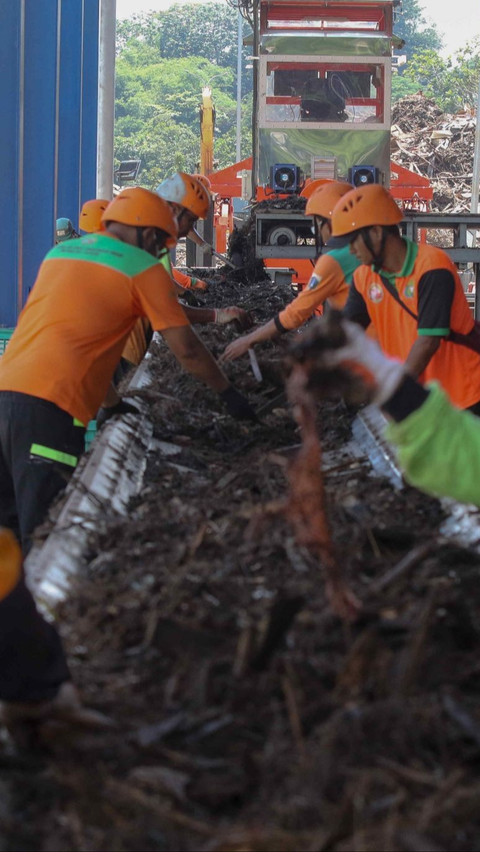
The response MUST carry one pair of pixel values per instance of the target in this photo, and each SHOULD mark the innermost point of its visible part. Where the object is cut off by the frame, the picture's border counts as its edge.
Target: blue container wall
(48, 132)
(10, 60)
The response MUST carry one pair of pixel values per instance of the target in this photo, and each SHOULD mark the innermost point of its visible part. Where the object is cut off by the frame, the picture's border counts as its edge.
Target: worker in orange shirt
(91, 215)
(68, 342)
(190, 199)
(329, 283)
(141, 335)
(193, 233)
(53, 377)
(412, 294)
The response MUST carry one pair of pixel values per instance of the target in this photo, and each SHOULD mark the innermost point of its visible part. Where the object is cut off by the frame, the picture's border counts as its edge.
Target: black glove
(191, 299)
(121, 407)
(238, 405)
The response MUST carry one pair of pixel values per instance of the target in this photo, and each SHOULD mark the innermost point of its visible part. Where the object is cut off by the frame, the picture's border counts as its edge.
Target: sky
(459, 21)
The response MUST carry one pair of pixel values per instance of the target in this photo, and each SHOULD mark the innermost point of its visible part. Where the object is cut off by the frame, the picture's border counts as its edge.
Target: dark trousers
(39, 449)
(475, 409)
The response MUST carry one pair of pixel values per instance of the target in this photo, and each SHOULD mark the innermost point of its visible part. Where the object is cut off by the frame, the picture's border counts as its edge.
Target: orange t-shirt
(182, 279)
(327, 282)
(88, 295)
(431, 289)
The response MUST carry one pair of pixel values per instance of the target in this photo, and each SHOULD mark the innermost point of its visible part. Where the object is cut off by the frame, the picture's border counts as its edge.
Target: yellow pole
(207, 129)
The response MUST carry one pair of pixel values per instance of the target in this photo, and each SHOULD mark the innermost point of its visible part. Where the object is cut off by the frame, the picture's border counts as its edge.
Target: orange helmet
(141, 208)
(312, 187)
(325, 198)
(363, 208)
(10, 563)
(203, 179)
(91, 215)
(188, 192)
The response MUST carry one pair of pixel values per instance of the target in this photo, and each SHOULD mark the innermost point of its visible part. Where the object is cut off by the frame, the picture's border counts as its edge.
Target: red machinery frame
(362, 12)
(412, 191)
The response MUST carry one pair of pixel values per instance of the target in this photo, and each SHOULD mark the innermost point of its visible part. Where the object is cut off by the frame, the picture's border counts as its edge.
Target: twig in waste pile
(129, 796)
(411, 659)
(240, 839)
(293, 711)
(149, 395)
(412, 841)
(462, 718)
(409, 774)
(403, 568)
(306, 507)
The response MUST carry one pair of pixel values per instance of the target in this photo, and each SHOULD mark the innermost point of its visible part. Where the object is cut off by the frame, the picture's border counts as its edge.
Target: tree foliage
(418, 33)
(453, 82)
(164, 59)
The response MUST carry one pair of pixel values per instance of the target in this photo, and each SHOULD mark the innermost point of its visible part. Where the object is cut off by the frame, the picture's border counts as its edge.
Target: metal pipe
(239, 87)
(57, 114)
(21, 158)
(476, 161)
(256, 73)
(106, 98)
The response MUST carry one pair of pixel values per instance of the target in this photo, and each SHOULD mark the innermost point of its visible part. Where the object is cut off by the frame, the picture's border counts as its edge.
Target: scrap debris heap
(438, 146)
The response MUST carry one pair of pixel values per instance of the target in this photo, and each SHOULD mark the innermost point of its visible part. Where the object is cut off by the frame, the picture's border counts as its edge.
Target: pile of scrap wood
(437, 146)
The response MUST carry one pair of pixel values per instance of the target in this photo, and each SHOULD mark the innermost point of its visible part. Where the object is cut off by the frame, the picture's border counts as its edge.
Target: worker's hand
(236, 349)
(238, 405)
(200, 284)
(122, 407)
(223, 316)
(191, 298)
(349, 349)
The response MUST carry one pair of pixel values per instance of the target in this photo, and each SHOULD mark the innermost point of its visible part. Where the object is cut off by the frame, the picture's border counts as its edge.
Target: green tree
(157, 111)
(418, 33)
(164, 59)
(452, 82)
(208, 30)
(402, 86)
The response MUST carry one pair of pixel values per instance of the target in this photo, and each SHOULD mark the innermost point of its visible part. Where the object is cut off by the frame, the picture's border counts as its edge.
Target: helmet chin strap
(378, 257)
(319, 244)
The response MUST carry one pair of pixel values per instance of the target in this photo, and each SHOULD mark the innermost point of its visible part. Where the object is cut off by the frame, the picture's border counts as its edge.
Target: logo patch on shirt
(409, 290)
(315, 280)
(375, 293)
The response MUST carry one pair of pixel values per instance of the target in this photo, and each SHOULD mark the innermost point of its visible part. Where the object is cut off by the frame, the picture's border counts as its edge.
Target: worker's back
(71, 333)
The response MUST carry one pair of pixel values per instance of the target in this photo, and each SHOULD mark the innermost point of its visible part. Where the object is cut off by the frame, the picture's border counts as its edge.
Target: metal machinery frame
(316, 44)
(464, 250)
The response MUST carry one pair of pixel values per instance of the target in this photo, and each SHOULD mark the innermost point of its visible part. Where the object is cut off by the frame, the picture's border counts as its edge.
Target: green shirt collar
(409, 264)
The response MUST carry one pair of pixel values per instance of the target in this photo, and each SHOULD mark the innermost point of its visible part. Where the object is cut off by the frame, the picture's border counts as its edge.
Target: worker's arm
(438, 445)
(194, 357)
(182, 279)
(421, 354)
(356, 309)
(220, 316)
(156, 298)
(197, 360)
(199, 316)
(326, 281)
(436, 291)
(179, 289)
(195, 237)
(240, 346)
(188, 282)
